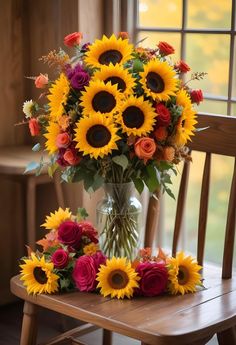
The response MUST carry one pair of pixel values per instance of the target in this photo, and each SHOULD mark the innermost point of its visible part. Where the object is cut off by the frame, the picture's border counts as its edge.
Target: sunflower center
(98, 136)
(116, 80)
(118, 279)
(133, 117)
(40, 275)
(155, 82)
(183, 275)
(104, 102)
(113, 56)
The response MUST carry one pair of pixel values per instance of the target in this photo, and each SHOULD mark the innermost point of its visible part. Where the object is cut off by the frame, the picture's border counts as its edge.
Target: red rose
(89, 231)
(154, 278)
(165, 48)
(84, 273)
(99, 259)
(60, 258)
(34, 127)
(182, 66)
(163, 118)
(73, 39)
(70, 233)
(196, 96)
(62, 140)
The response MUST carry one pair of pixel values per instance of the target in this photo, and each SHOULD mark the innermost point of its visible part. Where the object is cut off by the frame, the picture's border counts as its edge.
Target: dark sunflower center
(40, 275)
(183, 275)
(118, 279)
(133, 117)
(98, 136)
(155, 82)
(104, 102)
(113, 56)
(116, 80)
(183, 123)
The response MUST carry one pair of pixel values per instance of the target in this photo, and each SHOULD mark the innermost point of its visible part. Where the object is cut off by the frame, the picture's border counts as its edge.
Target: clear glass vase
(119, 220)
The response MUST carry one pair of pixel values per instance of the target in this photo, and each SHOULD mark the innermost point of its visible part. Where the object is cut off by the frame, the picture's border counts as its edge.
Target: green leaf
(81, 214)
(65, 283)
(36, 147)
(121, 160)
(169, 192)
(98, 182)
(139, 185)
(137, 66)
(31, 166)
(52, 168)
(88, 183)
(151, 178)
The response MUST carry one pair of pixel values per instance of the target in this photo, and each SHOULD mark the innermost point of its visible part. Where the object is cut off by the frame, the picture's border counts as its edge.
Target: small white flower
(27, 108)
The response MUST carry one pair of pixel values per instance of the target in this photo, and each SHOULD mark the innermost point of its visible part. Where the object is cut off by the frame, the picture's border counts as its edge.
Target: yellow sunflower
(100, 98)
(136, 116)
(116, 74)
(38, 276)
(185, 127)
(58, 96)
(117, 278)
(96, 136)
(183, 274)
(53, 129)
(108, 50)
(158, 80)
(53, 221)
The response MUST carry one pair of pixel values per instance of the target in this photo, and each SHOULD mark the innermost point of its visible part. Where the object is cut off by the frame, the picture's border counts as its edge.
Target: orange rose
(71, 157)
(34, 127)
(73, 39)
(41, 81)
(145, 148)
(168, 153)
(62, 140)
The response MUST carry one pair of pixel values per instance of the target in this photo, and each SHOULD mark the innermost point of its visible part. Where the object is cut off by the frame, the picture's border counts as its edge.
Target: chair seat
(162, 320)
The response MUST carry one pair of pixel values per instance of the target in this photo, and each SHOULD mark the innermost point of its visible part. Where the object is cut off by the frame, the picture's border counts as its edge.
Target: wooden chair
(164, 320)
(13, 161)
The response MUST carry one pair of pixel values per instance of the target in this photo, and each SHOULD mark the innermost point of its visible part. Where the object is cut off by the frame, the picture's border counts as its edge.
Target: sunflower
(136, 116)
(185, 127)
(158, 80)
(183, 274)
(116, 74)
(100, 98)
(108, 50)
(96, 136)
(38, 275)
(58, 96)
(53, 221)
(117, 278)
(53, 129)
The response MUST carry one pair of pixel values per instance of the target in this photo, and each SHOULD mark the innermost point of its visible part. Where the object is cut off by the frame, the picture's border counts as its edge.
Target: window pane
(153, 38)
(162, 13)
(209, 14)
(214, 107)
(209, 53)
(233, 109)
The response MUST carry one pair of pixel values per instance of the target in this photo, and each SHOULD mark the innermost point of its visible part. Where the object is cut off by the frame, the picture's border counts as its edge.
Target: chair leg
(29, 326)
(31, 211)
(107, 337)
(227, 337)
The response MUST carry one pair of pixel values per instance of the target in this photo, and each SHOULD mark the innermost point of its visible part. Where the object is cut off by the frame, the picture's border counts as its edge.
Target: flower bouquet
(116, 113)
(71, 259)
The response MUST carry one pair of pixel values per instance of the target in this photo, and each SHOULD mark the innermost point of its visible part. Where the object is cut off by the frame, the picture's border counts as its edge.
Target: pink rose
(154, 278)
(99, 259)
(196, 96)
(73, 39)
(165, 48)
(84, 273)
(71, 157)
(34, 127)
(60, 258)
(145, 148)
(70, 233)
(89, 231)
(182, 66)
(41, 81)
(163, 118)
(62, 140)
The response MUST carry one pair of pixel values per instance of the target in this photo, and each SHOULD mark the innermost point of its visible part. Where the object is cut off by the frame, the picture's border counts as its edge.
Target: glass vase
(119, 220)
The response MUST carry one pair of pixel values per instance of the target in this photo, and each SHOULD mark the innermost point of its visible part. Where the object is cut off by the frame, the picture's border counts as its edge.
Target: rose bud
(182, 66)
(41, 81)
(196, 96)
(60, 258)
(163, 118)
(145, 148)
(62, 140)
(165, 48)
(34, 127)
(73, 39)
(123, 35)
(71, 157)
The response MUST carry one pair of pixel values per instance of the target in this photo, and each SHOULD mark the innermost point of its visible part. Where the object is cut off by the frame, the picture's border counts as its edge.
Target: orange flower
(34, 127)
(160, 133)
(145, 148)
(50, 240)
(123, 34)
(73, 39)
(64, 122)
(41, 81)
(168, 153)
(62, 140)
(165, 48)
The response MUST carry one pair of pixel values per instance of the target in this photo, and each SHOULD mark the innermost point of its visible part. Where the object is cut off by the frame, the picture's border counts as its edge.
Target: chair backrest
(219, 137)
